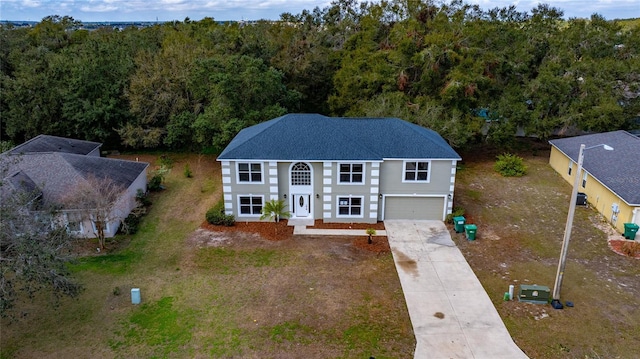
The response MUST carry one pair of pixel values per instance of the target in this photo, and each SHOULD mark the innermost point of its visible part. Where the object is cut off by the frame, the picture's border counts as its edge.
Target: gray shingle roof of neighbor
(314, 137)
(619, 169)
(19, 181)
(56, 174)
(47, 143)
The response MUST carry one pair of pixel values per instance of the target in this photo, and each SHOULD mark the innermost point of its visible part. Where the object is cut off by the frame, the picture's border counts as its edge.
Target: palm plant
(370, 232)
(275, 209)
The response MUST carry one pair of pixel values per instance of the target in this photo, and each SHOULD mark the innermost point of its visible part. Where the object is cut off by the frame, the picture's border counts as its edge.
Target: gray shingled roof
(619, 169)
(313, 137)
(19, 181)
(56, 174)
(47, 143)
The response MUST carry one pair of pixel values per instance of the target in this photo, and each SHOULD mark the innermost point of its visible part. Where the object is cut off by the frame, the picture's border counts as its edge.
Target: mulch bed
(618, 245)
(280, 231)
(380, 244)
(379, 226)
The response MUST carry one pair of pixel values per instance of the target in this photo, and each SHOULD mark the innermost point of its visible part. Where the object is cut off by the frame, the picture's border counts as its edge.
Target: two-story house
(339, 169)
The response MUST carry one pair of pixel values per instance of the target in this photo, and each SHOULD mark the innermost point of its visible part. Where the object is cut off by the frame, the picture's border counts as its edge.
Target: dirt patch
(202, 238)
(314, 286)
(521, 224)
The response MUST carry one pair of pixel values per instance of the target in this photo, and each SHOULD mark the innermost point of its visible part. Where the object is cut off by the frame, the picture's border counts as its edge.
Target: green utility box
(630, 230)
(458, 223)
(470, 230)
(538, 294)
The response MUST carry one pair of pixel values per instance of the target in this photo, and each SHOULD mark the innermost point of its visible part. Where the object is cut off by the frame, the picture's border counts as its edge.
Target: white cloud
(98, 8)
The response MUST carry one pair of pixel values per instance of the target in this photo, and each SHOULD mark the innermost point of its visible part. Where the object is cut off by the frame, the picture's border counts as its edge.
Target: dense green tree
(469, 73)
(94, 102)
(234, 92)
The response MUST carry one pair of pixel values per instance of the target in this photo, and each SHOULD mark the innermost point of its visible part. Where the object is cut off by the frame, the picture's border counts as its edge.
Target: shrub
(131, 224)
(216, 216)
(142, 198)
(457, 211)
(631, 249)
(510, 165)
(187, 171)
(166, 161)
(155, 183)
(229, 220)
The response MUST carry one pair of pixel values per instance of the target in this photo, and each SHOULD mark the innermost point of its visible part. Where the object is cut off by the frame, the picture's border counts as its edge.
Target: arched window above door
(300, 174)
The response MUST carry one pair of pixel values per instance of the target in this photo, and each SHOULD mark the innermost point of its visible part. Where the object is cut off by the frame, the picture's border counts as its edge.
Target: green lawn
(247, 298)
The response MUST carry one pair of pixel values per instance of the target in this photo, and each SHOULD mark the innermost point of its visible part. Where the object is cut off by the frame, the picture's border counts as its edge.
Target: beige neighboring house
(50, 167)
(610, 179)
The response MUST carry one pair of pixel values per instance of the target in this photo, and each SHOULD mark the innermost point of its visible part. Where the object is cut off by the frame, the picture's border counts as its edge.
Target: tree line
(469, 73)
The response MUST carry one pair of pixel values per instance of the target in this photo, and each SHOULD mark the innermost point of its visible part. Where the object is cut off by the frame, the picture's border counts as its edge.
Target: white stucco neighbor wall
(121, 210)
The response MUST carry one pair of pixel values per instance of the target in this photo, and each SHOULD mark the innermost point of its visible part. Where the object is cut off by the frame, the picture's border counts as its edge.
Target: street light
(569, 225)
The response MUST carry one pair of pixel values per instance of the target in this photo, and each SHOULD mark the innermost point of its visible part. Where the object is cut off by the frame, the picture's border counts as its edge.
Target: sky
(167, 10)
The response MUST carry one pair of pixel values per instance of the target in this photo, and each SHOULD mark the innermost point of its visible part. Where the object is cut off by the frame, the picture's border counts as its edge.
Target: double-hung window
(416, 171)
(250, 172)
(351, 173)
(74, 223)
(349, 206)
(250, 205)
(584, 179)
(570, 168)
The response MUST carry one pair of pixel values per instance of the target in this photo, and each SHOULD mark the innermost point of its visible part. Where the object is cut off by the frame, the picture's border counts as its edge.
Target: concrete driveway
(452, 315)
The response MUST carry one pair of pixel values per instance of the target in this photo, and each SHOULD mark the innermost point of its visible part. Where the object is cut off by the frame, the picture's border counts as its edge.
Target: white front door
(301, 203)
(301, 187)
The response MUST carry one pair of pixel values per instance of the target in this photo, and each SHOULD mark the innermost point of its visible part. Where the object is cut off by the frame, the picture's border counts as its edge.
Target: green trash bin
(458, 223)
(470, 230)
(630, 230)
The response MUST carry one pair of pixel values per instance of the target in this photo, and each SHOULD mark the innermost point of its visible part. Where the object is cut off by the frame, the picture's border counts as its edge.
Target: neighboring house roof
(314, 137)
(619, 169)
(56, 174)
(47, 143)
(19, 182)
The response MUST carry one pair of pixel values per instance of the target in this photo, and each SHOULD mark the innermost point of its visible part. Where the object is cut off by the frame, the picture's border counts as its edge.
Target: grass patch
(229, 261)
(159, 327)
(207, 186)
(473, 194)
(289, 331)
(114, 264)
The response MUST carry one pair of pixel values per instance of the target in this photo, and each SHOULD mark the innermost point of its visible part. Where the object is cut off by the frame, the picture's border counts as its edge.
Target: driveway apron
(452, 315)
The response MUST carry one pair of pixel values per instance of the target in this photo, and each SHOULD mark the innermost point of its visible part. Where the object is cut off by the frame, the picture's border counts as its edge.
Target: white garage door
(414, 208)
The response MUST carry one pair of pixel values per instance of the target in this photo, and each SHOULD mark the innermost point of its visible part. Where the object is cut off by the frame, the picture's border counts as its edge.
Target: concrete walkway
(452, 315)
